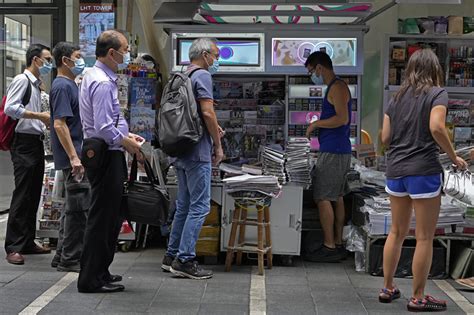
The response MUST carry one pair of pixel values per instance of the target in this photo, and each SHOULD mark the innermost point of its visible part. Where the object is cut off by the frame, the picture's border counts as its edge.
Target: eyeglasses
(312, 70)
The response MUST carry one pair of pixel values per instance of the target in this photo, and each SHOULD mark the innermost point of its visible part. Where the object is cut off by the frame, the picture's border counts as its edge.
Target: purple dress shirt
(100, 108)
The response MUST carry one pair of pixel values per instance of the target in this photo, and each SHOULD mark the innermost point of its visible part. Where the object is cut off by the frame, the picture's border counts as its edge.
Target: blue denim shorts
(417, 187)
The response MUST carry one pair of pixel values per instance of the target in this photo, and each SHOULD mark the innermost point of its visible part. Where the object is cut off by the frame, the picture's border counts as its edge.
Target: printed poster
(95, 17)
(142, 122)
(142, 92)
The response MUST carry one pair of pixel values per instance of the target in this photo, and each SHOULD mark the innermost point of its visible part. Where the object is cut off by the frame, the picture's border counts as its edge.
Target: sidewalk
(306, 288)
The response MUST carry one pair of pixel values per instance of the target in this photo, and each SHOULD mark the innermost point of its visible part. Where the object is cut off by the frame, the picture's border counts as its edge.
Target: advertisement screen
(233, 52)
(295, 51)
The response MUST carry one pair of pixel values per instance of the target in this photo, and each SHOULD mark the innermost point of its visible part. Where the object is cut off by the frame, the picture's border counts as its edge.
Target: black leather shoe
(106, 288)
(114, 278)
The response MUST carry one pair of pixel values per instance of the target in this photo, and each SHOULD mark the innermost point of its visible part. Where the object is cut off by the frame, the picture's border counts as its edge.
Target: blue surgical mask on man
(214, 67)
(125, 62)
(317, 80)
(46, 68)
(79, 66)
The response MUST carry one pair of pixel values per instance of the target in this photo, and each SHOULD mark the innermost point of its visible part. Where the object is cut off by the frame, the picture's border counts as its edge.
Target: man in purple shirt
(101, 118)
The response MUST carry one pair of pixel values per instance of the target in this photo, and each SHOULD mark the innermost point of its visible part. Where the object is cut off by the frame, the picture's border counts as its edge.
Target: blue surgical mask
(214, 67)
(125, 62)
(46, 68)
(317, 80)
(79, 65)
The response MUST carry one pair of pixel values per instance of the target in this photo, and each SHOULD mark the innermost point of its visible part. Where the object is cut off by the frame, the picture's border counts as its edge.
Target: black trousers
(27, 155)
(73, 219)
(103, 222)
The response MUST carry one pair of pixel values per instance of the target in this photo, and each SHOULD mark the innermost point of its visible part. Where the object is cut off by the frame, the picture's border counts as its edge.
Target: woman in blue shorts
(414, 130)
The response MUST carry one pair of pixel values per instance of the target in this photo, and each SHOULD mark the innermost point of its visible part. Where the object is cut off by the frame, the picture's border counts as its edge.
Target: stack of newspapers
(274, 163)
(267, 185)
(298, 166)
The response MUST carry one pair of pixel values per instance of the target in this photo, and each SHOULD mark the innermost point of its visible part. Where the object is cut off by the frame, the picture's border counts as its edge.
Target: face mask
(79, 65)
(214, 67)
(125, 62)
(317, 80)
(46, 68)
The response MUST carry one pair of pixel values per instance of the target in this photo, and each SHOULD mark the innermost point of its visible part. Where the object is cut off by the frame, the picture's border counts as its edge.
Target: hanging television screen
(294, 51)
(233, 52)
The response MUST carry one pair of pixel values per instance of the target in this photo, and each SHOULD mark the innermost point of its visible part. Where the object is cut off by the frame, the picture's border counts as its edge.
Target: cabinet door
(285, 218)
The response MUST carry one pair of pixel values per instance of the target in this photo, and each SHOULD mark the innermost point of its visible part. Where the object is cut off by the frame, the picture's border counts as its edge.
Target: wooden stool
(240, 219)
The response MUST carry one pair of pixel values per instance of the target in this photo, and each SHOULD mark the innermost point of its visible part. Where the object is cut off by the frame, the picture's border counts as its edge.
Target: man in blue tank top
(329, 174)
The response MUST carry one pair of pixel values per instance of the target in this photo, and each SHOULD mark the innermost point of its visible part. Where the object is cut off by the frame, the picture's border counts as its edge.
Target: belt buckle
(41, 137)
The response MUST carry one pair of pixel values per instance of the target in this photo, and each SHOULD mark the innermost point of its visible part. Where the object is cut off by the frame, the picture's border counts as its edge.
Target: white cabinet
(285, 218)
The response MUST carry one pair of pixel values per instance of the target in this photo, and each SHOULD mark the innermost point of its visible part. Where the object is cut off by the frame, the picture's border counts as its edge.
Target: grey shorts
(330, 176)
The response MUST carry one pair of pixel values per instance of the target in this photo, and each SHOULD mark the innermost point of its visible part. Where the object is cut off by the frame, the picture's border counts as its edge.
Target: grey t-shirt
(413, 151)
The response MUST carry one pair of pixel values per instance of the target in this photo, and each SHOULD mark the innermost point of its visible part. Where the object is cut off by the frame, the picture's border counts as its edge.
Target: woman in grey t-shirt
(413, 130)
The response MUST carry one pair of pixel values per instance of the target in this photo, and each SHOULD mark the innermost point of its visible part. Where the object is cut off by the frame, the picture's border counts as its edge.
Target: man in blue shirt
(334, 159)
(194, 169)
(101, 117)
(66, 141)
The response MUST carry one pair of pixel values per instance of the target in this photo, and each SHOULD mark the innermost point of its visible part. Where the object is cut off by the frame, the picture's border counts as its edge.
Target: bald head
(112, 39)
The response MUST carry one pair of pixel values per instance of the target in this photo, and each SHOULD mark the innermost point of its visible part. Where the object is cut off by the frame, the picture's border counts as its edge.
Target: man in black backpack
(27, 154)
(194, 169)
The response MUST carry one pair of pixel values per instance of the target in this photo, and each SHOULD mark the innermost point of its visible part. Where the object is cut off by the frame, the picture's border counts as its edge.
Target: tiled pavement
(306, 288)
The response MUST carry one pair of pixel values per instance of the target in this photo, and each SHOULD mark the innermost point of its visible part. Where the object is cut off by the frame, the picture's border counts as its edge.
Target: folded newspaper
(267, 185)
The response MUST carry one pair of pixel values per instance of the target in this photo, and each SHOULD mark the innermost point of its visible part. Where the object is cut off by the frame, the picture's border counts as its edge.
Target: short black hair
(106, 40)
(64, 49)
(33, 51)
(319, 58)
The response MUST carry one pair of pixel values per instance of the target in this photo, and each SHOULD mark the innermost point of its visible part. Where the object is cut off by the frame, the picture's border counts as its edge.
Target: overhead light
(428, 1)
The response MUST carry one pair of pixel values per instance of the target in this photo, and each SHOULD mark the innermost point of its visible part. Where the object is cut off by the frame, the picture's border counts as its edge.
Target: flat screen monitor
(294, 51)
(233, 52)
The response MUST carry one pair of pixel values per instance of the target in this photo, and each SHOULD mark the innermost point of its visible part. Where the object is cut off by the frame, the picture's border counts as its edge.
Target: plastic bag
(354, 238)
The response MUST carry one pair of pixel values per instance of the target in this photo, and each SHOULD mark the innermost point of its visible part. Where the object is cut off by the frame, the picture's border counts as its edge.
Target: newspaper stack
(379, 216)
(464, 153)
(267, 185)
(298, 166)
(274, 163)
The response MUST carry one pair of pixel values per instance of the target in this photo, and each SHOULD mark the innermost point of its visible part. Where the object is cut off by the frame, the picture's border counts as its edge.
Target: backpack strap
(27, 96)
(194, 70)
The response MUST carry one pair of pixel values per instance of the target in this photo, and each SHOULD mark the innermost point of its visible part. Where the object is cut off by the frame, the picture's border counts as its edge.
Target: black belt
(29, 136)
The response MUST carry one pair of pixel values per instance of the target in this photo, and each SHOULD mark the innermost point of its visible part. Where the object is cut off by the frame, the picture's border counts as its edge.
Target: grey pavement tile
(286, 280)
(184, 294)
(174, 308)
(224, 309)
(287, 289)
(8, 276)
(62, 308)
(285, 271)
(216, 297)
(340, 307)
(42, 276)
(123, 305)
(29, 286)
(291, 308)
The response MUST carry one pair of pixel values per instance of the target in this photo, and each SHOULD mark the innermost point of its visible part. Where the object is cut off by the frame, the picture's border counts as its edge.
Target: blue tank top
(335, 140)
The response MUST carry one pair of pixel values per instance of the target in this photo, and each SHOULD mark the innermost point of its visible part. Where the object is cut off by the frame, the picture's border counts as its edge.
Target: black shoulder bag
(145, 202)
(94, 151)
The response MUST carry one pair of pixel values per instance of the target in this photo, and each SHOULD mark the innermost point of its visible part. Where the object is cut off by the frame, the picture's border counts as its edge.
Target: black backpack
(179, 123)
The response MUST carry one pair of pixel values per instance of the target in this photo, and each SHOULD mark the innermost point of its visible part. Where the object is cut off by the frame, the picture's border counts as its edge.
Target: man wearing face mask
(27, 154)
(101, 118)
(329, 174)
(194, 169)
(66, 140)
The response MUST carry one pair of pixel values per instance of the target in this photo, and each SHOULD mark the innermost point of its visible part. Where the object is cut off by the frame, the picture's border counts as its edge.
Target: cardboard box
(213, 218)
(210, 231)
(208, 246)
